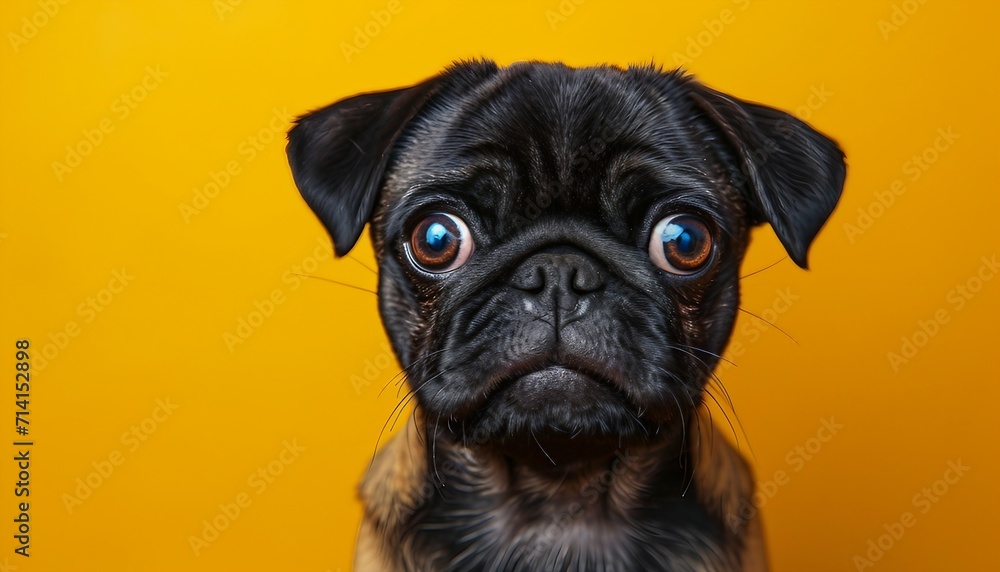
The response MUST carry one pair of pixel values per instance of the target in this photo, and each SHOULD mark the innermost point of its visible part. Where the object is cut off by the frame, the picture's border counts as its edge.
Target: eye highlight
(440, 243)
(680, 244)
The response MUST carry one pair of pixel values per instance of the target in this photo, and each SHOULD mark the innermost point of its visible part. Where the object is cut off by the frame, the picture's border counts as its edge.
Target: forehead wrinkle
(681, 182)
(481, 100)
(567, 102)
(485, 91)
(562, 108)
(556, 118)
(465, 185)
(488, 161)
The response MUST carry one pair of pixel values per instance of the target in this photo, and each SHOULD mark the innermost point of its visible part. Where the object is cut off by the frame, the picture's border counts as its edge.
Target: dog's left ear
(338, 155)
(791, 174)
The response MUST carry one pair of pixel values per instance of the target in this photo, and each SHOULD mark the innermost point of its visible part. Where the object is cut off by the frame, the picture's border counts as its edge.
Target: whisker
(403, 378)
(684, 428)
(696, 420)
(411, 394)
(680, 411)
(717, 381)
(400, 407)
(403, 371)
(697, 459)
(704, 366)
(714, 377)
(771, 324)
(409, 443)
(715, 355)
(639, 423)
(332, 281)
(544, 452)
(386, 425)
(708, 370)
(369, 268)
(434, 451)
(726, 415)
(409, 397)
(764, 268)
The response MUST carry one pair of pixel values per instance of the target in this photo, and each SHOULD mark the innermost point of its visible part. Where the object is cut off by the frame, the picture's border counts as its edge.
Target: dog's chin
(557, 418)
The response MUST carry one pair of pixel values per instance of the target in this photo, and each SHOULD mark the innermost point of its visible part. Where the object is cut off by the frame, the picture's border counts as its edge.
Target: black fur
(338, 155)
(458, 529)
(559, 344)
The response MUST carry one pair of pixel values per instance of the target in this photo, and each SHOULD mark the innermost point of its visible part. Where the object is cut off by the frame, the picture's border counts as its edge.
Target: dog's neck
(434, 504)
(550, 502)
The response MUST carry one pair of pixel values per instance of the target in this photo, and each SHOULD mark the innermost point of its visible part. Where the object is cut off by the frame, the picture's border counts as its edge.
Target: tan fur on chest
(394, 488)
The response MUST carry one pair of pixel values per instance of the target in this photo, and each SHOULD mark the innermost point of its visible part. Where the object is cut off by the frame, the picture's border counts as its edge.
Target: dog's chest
(474, 532)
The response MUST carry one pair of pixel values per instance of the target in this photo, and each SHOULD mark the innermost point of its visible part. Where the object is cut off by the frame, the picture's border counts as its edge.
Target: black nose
(558, 278)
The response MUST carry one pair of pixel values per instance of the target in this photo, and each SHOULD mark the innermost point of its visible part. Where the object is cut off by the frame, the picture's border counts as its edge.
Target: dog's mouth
(553, 412)
(554, 385)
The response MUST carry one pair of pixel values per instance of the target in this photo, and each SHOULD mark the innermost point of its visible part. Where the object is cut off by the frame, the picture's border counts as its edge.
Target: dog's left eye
(440, 243)
(680, 244)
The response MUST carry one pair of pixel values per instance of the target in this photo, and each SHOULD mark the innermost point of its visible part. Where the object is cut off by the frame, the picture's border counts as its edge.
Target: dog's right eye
(440, 243)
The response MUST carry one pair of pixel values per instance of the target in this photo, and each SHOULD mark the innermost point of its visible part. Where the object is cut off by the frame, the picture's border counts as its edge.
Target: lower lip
(541, 388)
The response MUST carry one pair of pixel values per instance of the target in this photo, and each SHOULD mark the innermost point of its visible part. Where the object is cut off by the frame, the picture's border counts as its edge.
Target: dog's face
(559, 248)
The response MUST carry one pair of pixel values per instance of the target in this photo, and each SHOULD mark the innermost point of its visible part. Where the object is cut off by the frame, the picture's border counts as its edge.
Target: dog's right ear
(338, 155)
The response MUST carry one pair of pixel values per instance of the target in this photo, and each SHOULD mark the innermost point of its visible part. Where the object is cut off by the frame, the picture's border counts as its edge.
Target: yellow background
(220, 75)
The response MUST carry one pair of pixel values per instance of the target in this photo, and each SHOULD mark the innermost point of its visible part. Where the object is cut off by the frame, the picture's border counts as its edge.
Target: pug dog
(559, 259)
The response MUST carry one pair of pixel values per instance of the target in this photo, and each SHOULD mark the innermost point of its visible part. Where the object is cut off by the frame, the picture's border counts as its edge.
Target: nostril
(587, 278)
(530, 279)
(566, 274)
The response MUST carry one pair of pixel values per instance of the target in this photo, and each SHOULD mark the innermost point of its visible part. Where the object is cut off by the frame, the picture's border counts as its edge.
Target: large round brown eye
(680, 244)
(440, 243)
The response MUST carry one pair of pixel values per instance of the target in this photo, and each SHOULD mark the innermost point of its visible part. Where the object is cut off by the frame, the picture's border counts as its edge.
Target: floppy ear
(338, 155)
(791, 174)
